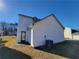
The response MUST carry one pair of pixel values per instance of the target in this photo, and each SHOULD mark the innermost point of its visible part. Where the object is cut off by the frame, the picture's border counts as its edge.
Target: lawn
(64, 50)
(68, 49)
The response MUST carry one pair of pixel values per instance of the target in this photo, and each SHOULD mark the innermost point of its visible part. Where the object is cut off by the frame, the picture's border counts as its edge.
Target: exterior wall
(68, 33)
(29, 36)
(23, 25)
(76, 37)
(32, 38)
(48, 27)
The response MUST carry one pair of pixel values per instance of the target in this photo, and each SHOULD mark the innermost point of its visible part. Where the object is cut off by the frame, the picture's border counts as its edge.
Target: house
(13, 28)
(1, 32)
(68, 33)
(8, 28)
(36, 34)
(75, 36)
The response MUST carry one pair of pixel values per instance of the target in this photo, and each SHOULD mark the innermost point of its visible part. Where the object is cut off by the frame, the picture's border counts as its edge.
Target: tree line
(8, 28)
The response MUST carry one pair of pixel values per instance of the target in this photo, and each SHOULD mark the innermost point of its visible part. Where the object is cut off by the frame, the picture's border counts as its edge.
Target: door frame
(23, 41)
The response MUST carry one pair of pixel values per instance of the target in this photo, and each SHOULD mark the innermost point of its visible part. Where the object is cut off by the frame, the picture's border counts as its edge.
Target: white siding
(49, 27)
(29, 36)
(24, 23)
(32, 38)
(68, 33)
(75, 37)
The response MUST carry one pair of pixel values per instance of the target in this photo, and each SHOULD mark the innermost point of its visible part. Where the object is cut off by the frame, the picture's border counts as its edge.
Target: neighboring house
(13, 28)
(1, 32)
(36, 34)
(1, 28)
(68, 33)
(8, 28)
(76, 35)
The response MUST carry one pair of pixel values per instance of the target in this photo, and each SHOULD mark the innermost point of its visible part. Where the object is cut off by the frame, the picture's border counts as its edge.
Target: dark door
(23, 36)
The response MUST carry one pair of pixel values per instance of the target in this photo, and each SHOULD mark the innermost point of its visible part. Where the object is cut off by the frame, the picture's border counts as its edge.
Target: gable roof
(76, 33)
(58, 21)
(35, 19)
(25, 16)
(44, 18)
(55, 19)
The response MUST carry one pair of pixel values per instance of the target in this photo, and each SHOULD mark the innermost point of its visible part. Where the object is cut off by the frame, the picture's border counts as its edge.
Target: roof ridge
(25, 15)
(44, 18)
(54, 17)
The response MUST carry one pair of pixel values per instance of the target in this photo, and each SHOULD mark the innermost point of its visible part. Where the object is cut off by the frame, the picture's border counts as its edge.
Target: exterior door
(23, 36)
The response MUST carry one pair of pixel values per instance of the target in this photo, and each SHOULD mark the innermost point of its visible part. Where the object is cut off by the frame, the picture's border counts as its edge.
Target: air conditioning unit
(49, 43)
